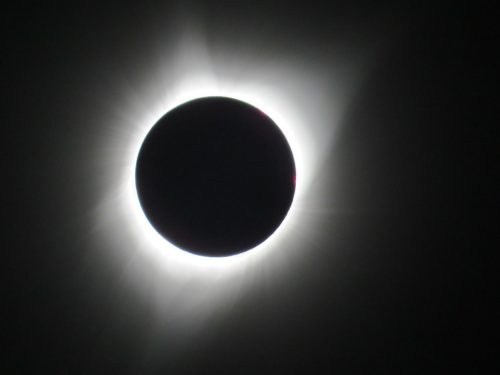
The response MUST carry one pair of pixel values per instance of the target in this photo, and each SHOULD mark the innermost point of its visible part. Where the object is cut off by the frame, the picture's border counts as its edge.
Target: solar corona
(209, 177)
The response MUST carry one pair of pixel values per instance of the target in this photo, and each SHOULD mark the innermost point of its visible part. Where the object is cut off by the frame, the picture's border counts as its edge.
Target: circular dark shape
(215, 176)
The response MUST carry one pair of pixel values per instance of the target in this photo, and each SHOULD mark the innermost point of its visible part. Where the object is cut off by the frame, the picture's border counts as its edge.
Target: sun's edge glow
(161, 246)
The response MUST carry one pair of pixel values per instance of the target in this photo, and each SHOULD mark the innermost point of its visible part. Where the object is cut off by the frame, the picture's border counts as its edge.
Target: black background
(403, 286)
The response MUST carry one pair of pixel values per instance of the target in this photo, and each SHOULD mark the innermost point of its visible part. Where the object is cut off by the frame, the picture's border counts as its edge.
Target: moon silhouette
(215, 176)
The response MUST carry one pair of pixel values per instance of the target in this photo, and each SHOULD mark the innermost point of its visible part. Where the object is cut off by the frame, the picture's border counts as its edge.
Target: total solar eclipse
(215, 176)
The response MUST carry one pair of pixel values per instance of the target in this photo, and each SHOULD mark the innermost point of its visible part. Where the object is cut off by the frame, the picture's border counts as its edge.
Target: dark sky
(385, 281)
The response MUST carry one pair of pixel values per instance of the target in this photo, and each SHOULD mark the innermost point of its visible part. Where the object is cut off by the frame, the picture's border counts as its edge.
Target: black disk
(215, 176)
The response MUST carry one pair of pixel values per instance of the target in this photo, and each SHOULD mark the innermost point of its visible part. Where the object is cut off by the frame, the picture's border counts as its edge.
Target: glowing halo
(157, 241)
(304, 106)
(271, 100)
